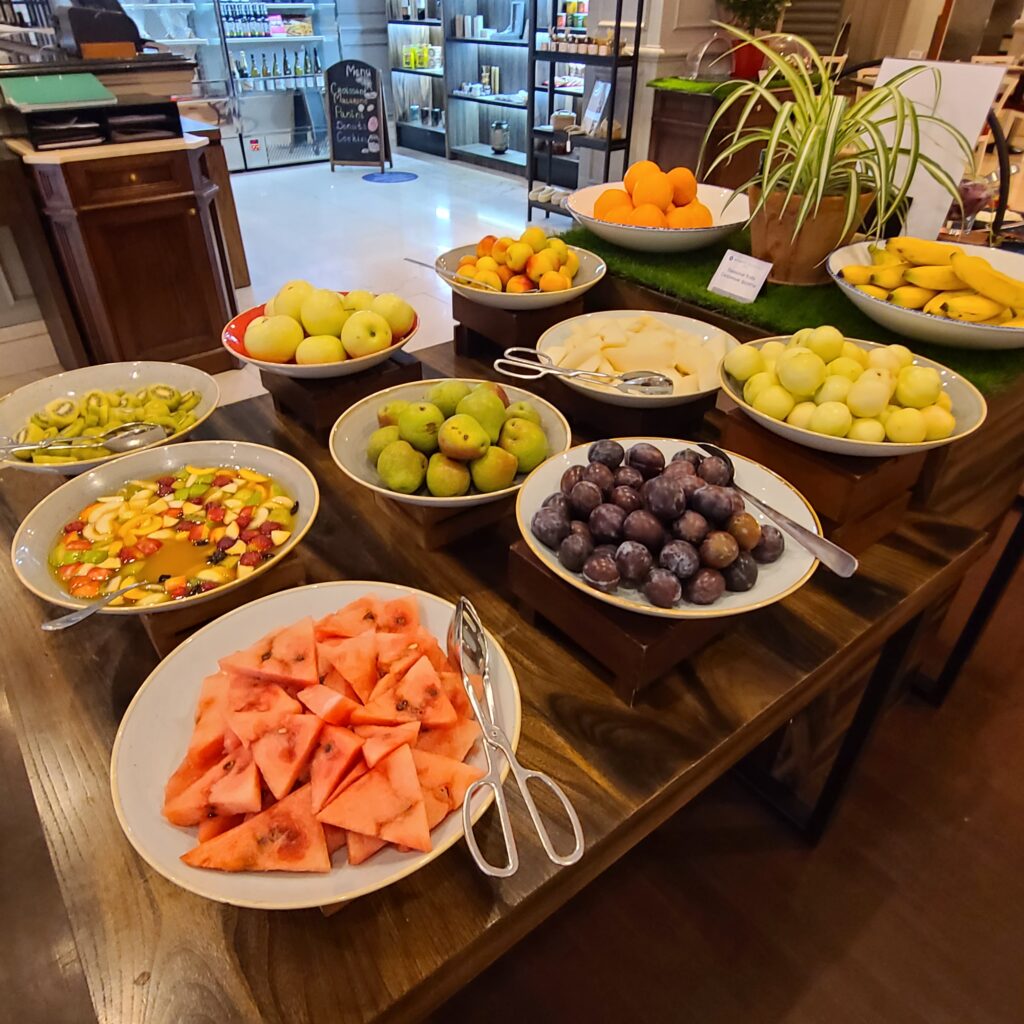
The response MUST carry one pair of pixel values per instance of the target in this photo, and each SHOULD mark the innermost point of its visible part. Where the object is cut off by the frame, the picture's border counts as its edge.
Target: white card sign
(739, 276)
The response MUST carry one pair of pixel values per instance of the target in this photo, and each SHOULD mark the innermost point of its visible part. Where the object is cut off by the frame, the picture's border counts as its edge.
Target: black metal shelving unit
(543, 164)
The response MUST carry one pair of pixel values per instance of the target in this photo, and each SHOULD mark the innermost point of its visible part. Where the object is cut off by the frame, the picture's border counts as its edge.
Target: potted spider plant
(753, 16)
(828, 160)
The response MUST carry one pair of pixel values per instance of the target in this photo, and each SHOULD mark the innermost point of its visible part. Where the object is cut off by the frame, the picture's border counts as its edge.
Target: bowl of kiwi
(92, 401)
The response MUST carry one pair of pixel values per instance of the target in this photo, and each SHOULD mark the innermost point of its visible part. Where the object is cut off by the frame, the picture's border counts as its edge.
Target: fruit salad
(188, 532)
(96, 412)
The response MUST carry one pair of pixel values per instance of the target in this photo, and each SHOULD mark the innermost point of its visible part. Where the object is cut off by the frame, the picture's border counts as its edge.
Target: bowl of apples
(534, 271)
(304, 331)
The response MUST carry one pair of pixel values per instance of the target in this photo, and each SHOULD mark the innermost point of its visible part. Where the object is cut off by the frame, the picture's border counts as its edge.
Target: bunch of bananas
(940, 279)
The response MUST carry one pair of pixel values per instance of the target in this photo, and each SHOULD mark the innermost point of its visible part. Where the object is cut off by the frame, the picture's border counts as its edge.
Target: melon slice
(256, 706)
(286, 837)
(444, 782)
(358, 617)
(282, 754)
(380, 740)
(399, 616)
(361, 847)
(454, 742)
(214, 824)
(285, 656)
(386, 803)
(333, 758)
(356, 660)
(238, 792)
(335, 837)
(328, 704)
(418, 696)
(190, 806)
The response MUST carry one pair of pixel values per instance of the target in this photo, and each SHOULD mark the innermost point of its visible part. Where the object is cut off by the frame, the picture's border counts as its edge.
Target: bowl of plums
(654, 525)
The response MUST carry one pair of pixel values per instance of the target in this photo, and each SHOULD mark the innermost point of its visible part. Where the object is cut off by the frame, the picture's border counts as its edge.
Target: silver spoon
(636, 382)
(75, 617)
(455, 278)
(126, 437)
(841, 562)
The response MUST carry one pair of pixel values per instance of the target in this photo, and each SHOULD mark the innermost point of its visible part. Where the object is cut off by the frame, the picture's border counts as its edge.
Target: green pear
(486, 408)
(526, 441)
(447, 394)
(387, 415)
(419, 424)
(494, 470)
(461, 437)
(491, 385)
(379, 440)
(401, 467)
(522, 411)
(446, 478)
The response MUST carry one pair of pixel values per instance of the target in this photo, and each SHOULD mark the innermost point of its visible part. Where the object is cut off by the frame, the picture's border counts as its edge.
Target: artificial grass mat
(784, 309)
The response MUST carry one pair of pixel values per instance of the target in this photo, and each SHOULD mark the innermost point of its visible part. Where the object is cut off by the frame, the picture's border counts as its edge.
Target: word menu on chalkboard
(355, 113)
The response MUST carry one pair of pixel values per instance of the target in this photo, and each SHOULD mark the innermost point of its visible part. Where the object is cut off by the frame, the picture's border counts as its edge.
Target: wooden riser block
(859, 534)
(317, 402)
(166, 630)
(485, 333)
(840, 488)
(635, 649)
(432, 528)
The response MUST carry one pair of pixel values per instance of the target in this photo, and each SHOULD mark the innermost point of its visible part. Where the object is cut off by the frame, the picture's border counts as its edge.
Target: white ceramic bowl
(774, 582)
(915, 323)
(42, 526)
(18, 406)
(728, 213)
(233, 339)
(351, 432)
(969, 410)
(592, 269)
(705, 332)
(156, 727)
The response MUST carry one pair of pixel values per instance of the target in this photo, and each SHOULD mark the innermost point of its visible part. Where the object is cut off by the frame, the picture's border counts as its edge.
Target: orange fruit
(637, 171)
(647, 216)
(620, 215)
(693, 215)
(684, 185)
(609, 199)
(653, 188)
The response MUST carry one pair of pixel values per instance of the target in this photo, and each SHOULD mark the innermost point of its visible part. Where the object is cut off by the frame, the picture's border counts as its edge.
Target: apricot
(488, 280)
(553, 281)
(499, 251)
(483, 247)
(520, 283)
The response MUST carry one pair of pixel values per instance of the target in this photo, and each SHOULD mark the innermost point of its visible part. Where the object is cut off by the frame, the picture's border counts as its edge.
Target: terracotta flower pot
(747, 61)
(800, 260)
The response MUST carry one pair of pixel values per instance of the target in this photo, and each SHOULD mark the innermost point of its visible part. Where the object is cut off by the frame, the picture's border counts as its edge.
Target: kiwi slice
(74, 428)
(60, 412)
(189, 400)
(166, 394)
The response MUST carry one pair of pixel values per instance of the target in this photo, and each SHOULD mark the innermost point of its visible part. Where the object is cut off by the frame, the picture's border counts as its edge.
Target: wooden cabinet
(138, 245)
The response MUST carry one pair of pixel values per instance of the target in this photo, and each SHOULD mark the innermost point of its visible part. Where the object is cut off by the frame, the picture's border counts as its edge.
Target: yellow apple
(398, 313)
(365, 332)
(319, 348)
(273, 339)
(289, 298)
(358, 299)
(324, 312)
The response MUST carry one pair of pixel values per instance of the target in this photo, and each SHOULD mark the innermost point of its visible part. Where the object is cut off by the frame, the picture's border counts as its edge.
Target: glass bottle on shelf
(299, 68)
(253, 70)
(275, 70)
(264, 70)
(406, 11)
(317, 69)
(243, 70)
(286, 68)
(264, 22)
(421, 10)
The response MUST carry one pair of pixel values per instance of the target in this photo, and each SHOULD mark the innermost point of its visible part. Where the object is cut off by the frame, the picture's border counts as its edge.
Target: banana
(1017, 321)
(881, 257)
(856, 273)
(909, 296)
(971, 308)
(979, 274)
(999, 318)
(934, 306)
(888, 277)
(921, 252)
(938, 279)
(873, 290)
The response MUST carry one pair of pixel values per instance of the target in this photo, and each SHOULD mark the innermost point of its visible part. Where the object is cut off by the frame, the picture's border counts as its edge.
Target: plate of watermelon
(305, 749)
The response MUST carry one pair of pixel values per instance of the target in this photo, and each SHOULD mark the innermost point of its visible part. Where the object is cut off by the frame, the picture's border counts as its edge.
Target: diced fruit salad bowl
(65, 395)
(290, 851)
(186, 522)
(490, 449)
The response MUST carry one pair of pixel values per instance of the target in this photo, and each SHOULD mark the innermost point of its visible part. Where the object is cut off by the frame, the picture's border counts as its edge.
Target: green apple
(319, 348)
(365, 332)
(289, 298)
(273, 339)
(398, 313)
(323, 312)
(358, 299)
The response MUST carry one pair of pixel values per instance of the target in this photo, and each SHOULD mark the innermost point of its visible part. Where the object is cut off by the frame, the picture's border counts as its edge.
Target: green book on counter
(54, 92)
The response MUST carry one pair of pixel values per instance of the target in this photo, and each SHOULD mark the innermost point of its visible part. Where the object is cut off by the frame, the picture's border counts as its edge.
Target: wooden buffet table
(97, 934)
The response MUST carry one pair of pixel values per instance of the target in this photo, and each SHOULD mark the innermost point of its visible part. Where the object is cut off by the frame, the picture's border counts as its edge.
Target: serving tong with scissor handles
(536, 364)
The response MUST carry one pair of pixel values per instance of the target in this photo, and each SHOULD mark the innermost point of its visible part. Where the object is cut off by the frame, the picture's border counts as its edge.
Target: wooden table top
(149, 951)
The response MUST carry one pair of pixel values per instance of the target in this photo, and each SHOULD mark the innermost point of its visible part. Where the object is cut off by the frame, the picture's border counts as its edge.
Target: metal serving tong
(467, 650)
(636, 382)
(454, 278)
(124, 438)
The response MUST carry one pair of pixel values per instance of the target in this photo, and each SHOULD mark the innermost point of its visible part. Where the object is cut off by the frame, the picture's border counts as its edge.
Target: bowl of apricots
(653, 210)
(533, 271)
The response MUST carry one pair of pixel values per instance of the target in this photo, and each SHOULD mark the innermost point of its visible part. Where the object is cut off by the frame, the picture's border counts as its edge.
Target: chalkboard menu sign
(355, 114)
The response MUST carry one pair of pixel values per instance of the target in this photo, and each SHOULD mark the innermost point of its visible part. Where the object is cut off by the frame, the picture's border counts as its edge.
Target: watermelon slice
(214, 824)
(356, 660)
(399, 616)
(256, 707)
(444, 782)
(357, 772)
(386, 803)
(336, 681)
(327, 704)
(382, 739)
(238, 792)
(358, 617)
(333, 757)
(454, 742)
(395, 647)
(286, 837)
(361, 847)
(335, 837)
(282, 754)
(418, 697)
(190, 806)
(285, 656)
(208, 743)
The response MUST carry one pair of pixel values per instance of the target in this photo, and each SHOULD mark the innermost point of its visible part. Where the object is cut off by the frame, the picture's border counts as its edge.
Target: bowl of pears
(447, 444)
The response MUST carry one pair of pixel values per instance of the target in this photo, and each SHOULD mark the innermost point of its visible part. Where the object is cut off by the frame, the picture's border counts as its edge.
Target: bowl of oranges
(653, 210)
(533, 271)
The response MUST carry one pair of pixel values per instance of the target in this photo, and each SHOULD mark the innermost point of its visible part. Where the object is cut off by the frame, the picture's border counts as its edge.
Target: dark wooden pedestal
(317, 402)
(634, 649)
(166, 630)
(484, 333)
(433, 528)
(858, 500)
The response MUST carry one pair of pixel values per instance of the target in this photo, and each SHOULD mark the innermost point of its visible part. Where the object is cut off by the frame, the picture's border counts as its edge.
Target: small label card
(739, 276)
